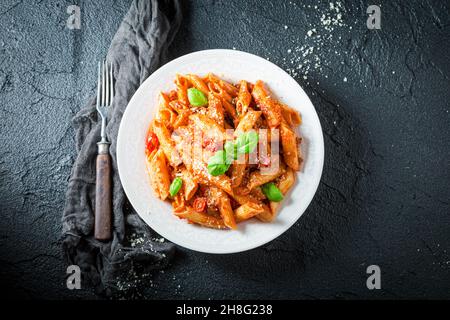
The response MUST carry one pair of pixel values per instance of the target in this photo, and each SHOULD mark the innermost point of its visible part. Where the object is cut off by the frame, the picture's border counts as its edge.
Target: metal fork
(103, 188)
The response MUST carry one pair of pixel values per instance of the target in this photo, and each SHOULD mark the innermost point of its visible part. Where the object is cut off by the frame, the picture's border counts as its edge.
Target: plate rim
(251, 245)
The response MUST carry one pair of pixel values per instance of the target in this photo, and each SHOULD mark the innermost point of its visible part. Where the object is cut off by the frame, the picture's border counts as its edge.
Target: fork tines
(105, 90)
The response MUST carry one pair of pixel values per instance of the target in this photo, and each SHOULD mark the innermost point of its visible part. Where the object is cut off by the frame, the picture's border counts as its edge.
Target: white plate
(232, 65)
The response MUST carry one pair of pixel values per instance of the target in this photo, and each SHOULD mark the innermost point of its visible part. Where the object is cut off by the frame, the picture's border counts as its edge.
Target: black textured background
(384, 197)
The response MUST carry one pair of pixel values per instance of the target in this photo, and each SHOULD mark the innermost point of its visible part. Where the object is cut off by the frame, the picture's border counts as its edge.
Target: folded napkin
(138, 48)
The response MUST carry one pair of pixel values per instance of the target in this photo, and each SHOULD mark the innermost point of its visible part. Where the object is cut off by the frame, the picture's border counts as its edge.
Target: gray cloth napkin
(138, 48)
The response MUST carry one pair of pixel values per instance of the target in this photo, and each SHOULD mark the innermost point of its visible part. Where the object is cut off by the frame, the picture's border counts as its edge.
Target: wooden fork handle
(103, 198)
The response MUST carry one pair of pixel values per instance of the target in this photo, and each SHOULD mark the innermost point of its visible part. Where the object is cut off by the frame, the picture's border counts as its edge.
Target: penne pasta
(247, 122)
(190, 185)
(224, 205)
(215, 109)
(182, 84)
(289, 144)
(257, 178)
(159, 175)
(182, 138)
(238, 169)
(201, 173)
(244, 99)
(257, 194)
(244, 198)
(178, 106)
(291, 116)
(247, 211)
(269, 107)
(208, 126)
(266, 215)
(166, 143)
(286, 182)
(165, 113)
(201, 218)
(182, 119)
(198, 83)
(226, 86)
(163, 101)
(229, 108)
(219, 91)
(173, 95)
(223, 183)
(179, 203)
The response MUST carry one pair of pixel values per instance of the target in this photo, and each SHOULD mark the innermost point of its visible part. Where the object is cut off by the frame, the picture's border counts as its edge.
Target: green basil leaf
(240, 143)
(175, 186)
(230, 149)
(246, 142)
(271, 191)
(196, 97)
(218, 158)
(218, 164)
(252, 139)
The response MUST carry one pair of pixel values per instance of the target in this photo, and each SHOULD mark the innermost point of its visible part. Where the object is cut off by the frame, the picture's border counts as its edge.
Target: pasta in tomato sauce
(222, 153)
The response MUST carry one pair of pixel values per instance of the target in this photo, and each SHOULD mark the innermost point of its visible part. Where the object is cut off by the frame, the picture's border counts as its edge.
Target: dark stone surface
(384, 197)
